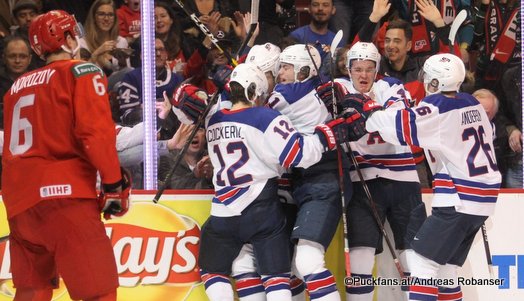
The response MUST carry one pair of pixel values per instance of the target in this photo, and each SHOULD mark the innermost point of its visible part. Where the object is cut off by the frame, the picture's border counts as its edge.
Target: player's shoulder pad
(446, 104)
(391, 81)
(82, 68)
(295, 91)
(268, 112)
(265, 117)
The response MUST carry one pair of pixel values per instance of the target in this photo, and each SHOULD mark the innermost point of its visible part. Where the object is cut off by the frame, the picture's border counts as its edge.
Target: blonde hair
(485, 93)
(92, 33)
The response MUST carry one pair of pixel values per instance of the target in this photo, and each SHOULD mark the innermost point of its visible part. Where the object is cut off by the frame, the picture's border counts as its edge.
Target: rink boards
(156, 249)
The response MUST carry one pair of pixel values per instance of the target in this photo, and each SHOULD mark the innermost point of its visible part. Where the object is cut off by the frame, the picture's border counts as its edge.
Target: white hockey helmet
(444, 71)
(298, 56)
(266, 57)
(252, 79)
(363, 51)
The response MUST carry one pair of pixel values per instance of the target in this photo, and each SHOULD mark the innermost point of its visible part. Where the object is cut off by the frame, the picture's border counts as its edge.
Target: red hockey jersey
(58, 133)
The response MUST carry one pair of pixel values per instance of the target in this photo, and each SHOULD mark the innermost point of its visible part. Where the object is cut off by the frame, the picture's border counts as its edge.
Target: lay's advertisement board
(155, 247)
(156, 251)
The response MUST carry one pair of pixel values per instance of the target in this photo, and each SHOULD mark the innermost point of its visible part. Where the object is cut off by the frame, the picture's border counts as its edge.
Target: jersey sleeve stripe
(292, 153)
(408, 128)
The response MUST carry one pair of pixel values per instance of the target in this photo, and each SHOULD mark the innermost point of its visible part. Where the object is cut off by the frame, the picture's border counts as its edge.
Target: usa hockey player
(248, 147)
(248, 284)
(315, 189)
(457, 136)
(385, 168)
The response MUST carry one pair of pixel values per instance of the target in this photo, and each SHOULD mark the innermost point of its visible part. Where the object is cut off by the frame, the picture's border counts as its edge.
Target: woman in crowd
(101, 36)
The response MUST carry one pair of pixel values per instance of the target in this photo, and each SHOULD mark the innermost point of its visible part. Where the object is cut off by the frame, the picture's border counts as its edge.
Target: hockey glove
(326, 136)
(356, 125)
(325, 93)
(189, 102)
(361, 103)
(114, 198)
(221, 77)
(335, 131)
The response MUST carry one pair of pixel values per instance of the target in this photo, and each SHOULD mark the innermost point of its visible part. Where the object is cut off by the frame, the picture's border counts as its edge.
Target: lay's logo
(155, 245)
(155, 249)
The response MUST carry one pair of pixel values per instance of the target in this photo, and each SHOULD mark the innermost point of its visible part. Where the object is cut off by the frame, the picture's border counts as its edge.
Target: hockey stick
(334, 44)
(184, 149)
(208, 33)
(457, 22)
(252, 27)
(487, 250)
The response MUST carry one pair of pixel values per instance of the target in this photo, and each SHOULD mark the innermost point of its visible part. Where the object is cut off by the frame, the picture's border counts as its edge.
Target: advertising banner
(156, 251)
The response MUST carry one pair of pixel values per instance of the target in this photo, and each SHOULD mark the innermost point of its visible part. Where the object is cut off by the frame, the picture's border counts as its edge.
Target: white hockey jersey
(249, 146)
(300, 102)
(378, 158)
(458, 140)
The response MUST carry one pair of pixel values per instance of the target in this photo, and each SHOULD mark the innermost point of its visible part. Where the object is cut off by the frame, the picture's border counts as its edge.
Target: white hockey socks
(218, 287)
(362, 262)
(277, 287)
(310, 266)
(449, 293)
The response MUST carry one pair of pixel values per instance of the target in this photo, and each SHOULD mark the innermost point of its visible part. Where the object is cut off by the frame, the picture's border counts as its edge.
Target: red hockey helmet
(47, 32)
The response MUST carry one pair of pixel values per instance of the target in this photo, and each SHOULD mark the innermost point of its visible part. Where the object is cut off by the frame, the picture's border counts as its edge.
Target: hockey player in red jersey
(59, 133)
(457, 137)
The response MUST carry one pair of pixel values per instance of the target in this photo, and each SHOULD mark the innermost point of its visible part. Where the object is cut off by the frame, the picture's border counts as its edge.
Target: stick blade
(459, 19)
(335, 42)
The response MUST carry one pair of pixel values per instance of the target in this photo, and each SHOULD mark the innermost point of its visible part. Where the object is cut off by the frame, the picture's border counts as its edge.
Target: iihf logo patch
(55, 190)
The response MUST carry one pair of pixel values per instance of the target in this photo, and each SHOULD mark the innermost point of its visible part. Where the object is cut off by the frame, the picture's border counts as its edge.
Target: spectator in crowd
(398, 62)
(497, 36)
(340, 59)
(511, 120)
(6, 18)
(101, 35)
(130, 92)
(24, 11)
(350, 16)
(270, 31)
(195, 170)
(129, 22)
(216, 15)
(489, 102)
(432, 37)
(167, 29)
(316, 32)
(130, 145)
(16, 59)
